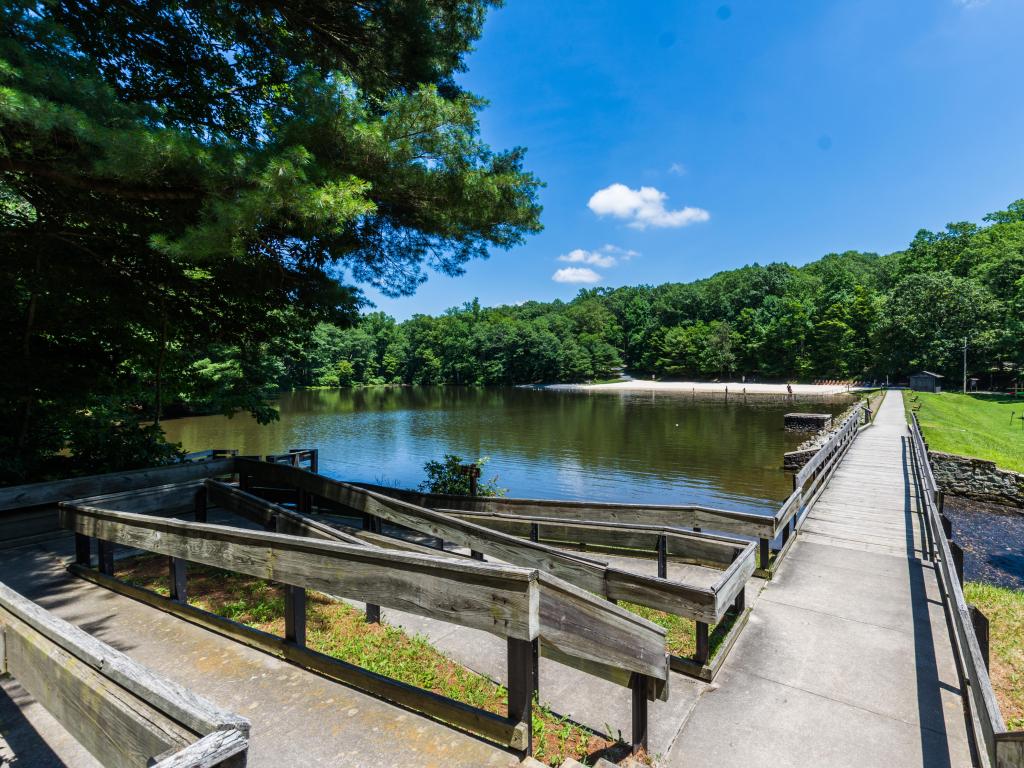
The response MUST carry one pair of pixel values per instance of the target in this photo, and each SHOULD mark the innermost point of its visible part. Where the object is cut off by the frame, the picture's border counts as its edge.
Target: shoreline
(733, 387)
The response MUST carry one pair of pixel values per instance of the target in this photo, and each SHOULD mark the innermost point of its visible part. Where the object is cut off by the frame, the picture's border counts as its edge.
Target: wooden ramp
(846, 659)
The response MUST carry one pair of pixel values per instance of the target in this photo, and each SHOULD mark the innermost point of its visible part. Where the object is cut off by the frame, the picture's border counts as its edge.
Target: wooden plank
(497, 598)
(594, 576)
(220, 748)
(178, 702)
(697, 603)
(734, 581)
(38, 494)
(685, 546)
(1010, 750)
(579, 624)
(433, 705)
(665, 515)
(578, 570)
(117, 728)
(168, 499)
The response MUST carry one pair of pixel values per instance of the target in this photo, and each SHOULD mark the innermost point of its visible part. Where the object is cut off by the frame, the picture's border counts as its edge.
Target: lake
(667, 448)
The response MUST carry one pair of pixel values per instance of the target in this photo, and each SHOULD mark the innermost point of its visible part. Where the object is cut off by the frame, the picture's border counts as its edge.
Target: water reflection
(654, 447)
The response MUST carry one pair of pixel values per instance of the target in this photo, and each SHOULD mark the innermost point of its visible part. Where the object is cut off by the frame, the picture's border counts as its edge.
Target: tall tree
(182, 175)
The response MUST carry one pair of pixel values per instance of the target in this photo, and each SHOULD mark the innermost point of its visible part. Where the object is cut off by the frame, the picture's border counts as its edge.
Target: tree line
(845, 316)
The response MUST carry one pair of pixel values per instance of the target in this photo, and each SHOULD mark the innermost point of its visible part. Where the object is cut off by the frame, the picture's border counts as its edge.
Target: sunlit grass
(984, 426)
(1004, 609)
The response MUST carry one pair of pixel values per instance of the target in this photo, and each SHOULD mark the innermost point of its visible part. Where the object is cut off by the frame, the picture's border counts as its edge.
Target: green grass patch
(1005, 611)
(984, 426)
(681, 638)
(339, 630)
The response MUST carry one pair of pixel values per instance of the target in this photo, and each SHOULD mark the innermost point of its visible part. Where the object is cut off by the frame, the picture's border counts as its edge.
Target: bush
(446, 477)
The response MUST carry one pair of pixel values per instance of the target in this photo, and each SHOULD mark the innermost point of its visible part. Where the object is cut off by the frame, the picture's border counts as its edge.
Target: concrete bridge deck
(846, 659)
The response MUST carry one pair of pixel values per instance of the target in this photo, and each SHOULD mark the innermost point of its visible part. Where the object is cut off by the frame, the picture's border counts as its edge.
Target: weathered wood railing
(119, 711)
(996, 746)
(704, 604)
(29, 512)
(515, 603)
(808, 484)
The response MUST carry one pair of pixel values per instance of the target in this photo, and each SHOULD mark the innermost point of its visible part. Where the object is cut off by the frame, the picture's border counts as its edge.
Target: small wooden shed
(926, 381)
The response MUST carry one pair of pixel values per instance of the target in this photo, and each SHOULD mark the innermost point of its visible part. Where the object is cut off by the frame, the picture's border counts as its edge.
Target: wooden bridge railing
(704, 604)
(515, 603)
(119, 711)
(807, 486)
(996, 746)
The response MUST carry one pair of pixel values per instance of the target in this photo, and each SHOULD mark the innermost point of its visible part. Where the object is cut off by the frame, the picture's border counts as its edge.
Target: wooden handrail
(998, 747)
(133, 715)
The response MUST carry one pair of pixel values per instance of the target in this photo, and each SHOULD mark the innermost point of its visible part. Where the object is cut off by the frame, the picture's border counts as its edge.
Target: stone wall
(977, 479)
(807, 422)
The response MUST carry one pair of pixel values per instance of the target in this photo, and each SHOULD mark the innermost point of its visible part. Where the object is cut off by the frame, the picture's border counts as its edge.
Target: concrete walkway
(846, 659)
(298, 718)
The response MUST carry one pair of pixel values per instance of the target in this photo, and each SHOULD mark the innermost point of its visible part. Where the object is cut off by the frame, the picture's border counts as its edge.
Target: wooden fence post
(105, 552)
(534, 532)
(638, 686)
(765, 553)
(83, 550)
(740, 603)
(662, 556)
(295, 615)
(178, 573)
(521, 686)
(200, 504)
(947, 526)
(980, 622)
(703, 652)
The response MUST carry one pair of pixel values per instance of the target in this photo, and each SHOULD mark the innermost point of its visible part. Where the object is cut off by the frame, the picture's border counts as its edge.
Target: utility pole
(965, 365)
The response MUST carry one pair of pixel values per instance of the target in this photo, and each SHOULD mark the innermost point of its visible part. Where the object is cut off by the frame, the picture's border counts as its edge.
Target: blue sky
(681, 138)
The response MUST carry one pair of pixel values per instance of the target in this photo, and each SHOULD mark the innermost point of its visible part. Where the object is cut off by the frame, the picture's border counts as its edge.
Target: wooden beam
(117, 728)
(37, 494)
(497, 598)
(179, 703)
(220, 749)
(666, 515)
(494, 727)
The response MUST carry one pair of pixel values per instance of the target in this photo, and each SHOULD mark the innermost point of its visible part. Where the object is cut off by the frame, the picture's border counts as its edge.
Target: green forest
(845, 316)
(192, 194)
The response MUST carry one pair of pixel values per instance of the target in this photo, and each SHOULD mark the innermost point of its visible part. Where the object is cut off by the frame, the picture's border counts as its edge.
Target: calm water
(573, 445)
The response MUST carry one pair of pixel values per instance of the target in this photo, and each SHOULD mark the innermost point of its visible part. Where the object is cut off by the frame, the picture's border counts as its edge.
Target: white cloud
(605, 256)
(678, 169)
(644, 207)
(575, 275)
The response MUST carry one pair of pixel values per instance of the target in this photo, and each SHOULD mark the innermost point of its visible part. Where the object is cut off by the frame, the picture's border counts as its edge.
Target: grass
(1005, 611)
(984, 426)
(680, 639)
(336, 629)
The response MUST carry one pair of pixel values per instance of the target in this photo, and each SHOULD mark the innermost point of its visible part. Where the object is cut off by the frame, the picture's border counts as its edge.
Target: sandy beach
(734, 387)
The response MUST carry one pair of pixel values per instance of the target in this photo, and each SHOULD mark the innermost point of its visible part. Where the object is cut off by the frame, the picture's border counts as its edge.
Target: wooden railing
(807, 486)
(997, 747)
(765, 529)
(120, 712)
(704, 604)
(520, 605)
